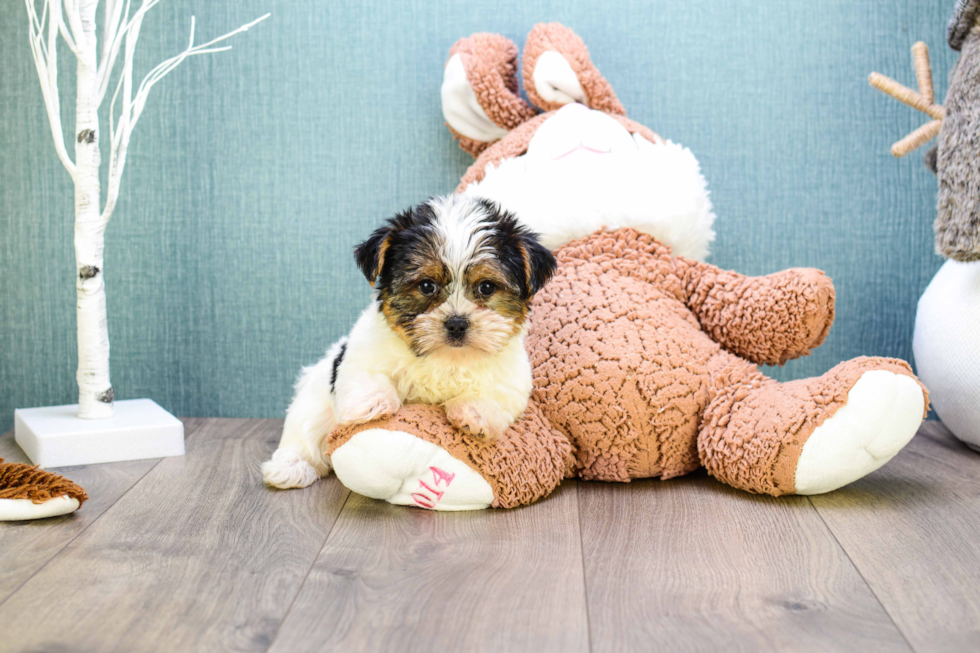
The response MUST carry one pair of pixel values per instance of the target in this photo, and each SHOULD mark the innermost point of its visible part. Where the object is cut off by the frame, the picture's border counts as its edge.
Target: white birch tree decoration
(74, 22)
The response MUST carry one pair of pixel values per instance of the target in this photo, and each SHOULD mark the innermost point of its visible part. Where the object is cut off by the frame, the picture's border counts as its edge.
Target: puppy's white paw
(288, 469)
(477, 417)
(367, 404)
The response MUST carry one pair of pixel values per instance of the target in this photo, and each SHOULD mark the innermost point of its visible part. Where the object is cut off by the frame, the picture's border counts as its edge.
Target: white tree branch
(114, 18)
(37, 25)
(120, 33)
(66, 35)
(63, 28)
(71, 10)
(133, 107)
(54, 24)
(45, 57)
(75, 22)
(111, 20)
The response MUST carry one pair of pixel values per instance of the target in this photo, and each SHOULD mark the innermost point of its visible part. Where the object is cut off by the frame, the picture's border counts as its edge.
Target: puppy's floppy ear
(539, 262)
(370, 254)
(528, 262)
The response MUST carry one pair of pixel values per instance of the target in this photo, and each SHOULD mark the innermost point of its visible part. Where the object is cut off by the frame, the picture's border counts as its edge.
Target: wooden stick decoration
(918, 138)
(923, 70)
(924, 100)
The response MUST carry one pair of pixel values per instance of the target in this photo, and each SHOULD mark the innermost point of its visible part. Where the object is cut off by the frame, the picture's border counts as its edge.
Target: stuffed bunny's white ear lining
(460, 107)
(555, 81)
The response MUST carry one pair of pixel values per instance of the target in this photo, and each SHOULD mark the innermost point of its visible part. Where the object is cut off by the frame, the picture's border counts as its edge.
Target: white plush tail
(300, 460)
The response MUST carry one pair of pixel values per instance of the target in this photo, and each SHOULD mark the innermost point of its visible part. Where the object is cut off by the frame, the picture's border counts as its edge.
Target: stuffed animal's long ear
(557, 71)
(370, 254)
(966, 16)
(480, 98)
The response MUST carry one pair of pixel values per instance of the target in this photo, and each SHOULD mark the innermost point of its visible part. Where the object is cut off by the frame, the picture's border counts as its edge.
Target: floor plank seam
(80, 533)
(861, 575)
(581, 547)
(299, 589)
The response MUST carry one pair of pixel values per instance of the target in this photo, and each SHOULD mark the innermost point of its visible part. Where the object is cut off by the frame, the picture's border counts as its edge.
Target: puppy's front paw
(368, 404)
(477, 417)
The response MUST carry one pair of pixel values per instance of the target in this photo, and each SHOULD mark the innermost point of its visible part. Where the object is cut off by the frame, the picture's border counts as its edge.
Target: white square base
(54, 436)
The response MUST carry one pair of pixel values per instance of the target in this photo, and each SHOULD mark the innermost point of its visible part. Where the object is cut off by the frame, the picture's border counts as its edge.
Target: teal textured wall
(254, 172)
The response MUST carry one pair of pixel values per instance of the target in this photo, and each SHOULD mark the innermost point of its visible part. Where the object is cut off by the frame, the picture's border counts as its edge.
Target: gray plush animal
(945, 342)
(957, 156)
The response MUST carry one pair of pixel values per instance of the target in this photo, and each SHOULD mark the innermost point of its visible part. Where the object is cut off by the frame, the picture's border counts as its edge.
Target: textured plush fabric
(619, 362)
(522, 466)
(769, 319)
(254, 172)
(627, 350)
(754, 428)
(945, 339)
(630, 383)
(965, 17)
(559, 38)
(490, 61)
(958, 219)
(20, 481)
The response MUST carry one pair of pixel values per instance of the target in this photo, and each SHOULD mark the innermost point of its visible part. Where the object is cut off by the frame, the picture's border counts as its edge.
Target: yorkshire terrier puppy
(453, 281)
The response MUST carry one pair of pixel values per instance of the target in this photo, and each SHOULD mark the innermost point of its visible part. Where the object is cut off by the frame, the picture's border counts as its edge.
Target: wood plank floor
(194, 554)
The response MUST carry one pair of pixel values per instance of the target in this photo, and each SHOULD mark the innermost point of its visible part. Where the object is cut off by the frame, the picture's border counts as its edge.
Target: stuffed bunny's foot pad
(882, 413)
(403, 469)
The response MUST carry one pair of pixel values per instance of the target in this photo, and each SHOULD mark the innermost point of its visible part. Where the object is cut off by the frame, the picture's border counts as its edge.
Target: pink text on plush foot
(427, 496)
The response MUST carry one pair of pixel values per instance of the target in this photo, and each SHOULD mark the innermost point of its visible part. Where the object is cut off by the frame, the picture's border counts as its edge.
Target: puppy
(453, 281)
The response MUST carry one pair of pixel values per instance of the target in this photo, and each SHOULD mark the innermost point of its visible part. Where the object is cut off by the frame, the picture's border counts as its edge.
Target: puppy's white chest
(432, 382)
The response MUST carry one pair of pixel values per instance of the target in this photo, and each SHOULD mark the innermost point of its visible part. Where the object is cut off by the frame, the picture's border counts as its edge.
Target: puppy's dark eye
(486, 288)
(428, 287)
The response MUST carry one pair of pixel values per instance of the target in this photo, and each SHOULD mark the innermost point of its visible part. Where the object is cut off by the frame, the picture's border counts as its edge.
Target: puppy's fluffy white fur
(310, 418)
(371, 373)
(380, 372)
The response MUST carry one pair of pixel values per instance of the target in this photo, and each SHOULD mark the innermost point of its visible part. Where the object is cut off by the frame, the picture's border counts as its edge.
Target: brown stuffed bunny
(644, 361)
(582, 165)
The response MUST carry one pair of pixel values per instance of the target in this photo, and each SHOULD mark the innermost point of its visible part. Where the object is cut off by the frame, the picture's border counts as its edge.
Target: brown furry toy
(945, 343)
(27, 492)
(644, 358)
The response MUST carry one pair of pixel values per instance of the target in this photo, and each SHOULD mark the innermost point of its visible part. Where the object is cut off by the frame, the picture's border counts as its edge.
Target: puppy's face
(455, 272)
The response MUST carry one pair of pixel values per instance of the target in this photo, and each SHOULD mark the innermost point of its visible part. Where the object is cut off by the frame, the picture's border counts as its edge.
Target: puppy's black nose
(456, 327)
